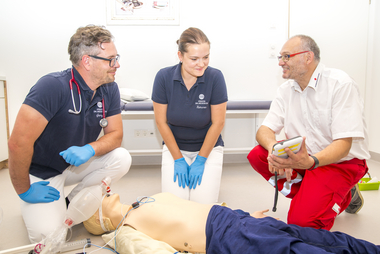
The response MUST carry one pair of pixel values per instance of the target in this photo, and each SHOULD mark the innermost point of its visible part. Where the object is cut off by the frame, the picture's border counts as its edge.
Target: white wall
(340, 28)
(373, 79)
(35, 34)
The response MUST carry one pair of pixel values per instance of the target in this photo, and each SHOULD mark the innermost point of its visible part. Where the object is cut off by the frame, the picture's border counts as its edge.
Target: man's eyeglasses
(112, 60)
(285, 58)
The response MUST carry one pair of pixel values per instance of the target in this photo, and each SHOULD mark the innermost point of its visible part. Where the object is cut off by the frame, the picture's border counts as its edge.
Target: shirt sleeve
(347, 108)
(114, 98)
(159, 91)
(219, 92)
(46, 96)
(275, 117)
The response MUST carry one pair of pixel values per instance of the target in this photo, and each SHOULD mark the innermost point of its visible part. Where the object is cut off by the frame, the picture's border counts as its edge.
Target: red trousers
(318, 195)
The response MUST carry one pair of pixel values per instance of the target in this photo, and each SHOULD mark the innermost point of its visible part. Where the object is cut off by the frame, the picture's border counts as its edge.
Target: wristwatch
(316, 163)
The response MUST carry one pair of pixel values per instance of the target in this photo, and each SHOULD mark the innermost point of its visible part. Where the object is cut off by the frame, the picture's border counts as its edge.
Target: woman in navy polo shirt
(190, 102)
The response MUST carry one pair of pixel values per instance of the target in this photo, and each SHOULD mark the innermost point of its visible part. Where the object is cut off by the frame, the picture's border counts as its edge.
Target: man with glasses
(55, 141)
(323, 106)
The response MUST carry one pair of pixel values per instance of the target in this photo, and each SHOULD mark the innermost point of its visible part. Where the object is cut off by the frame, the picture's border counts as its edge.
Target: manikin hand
(181, 169)
(196, 171)
(260, 214)
(77, 155)
(40, 192)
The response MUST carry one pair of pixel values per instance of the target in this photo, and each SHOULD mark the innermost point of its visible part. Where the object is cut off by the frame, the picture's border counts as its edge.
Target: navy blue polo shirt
(189, 112)
(51, 97)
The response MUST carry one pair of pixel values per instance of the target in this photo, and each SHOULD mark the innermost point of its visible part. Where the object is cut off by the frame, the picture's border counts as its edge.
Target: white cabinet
(3, 121)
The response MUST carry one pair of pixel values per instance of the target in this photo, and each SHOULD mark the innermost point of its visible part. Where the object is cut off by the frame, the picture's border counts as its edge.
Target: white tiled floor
(241, 188)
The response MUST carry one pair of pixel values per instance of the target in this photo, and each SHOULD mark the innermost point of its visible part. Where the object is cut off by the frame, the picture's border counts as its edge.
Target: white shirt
(329, 108)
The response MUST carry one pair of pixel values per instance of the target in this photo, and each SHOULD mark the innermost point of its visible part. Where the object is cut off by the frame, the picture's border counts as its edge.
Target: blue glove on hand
(77, 155)
(39, 192)
(196, 171)
(181, 169)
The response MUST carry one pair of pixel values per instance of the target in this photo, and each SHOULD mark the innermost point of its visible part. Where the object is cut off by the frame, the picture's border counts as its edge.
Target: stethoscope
(103, 122)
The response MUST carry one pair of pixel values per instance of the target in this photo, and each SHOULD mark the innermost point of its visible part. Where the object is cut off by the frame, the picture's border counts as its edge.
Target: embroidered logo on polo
(98, 111)
(201, 103)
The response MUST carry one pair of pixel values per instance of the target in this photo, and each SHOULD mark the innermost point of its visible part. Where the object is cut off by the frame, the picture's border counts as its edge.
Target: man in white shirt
(324, 106)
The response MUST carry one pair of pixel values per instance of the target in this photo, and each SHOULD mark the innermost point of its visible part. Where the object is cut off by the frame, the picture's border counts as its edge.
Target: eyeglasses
(285, 58)
(112, 60)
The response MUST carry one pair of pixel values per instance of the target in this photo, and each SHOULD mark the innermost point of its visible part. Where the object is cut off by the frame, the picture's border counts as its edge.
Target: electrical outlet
(138, 133)
(144, 133)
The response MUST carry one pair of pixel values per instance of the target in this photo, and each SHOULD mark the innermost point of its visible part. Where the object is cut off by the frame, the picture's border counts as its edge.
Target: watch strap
(316, 162)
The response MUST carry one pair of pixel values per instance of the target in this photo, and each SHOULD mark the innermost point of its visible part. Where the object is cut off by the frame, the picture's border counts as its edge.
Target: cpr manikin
(193, 227)
(166, 212)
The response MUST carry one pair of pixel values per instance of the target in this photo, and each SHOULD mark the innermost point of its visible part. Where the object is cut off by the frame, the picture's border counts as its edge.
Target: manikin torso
(178, 222)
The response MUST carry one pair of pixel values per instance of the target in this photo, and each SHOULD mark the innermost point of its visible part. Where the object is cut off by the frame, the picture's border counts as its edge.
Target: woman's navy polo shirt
(51, 97)
(189, 112)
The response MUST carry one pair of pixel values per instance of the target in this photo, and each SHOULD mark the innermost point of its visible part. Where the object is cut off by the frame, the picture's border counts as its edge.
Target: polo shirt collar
(201, 79)
(78, 78)
(314, 80)
(177, 73)
(84, 87)
(316, 77)
(178, 76)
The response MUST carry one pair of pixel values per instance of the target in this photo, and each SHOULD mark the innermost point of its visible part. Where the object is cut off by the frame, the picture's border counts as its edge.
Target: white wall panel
(373, 80)
(340, 28)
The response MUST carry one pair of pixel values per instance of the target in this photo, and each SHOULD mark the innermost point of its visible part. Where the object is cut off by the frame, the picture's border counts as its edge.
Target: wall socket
(144, 133)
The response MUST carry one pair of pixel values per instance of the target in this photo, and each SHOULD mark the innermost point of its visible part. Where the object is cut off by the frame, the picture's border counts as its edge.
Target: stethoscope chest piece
(103, 122)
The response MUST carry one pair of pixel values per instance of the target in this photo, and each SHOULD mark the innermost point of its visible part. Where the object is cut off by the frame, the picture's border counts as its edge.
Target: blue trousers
(234, 231)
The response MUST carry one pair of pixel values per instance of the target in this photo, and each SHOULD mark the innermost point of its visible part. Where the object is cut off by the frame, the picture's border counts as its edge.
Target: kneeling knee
(257, 156)
(124, 158)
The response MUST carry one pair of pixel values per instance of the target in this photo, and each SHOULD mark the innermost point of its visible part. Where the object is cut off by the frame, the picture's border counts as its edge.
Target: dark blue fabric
(189, 112)
(52, 98)
(230, 232)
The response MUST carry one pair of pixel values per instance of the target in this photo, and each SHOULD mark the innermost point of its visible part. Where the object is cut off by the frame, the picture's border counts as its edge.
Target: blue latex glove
(77, 155)
(181, 169)
(196, 171)
(40, 192)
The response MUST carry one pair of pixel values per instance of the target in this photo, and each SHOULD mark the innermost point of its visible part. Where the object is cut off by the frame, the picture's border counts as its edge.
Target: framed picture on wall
(142, 12)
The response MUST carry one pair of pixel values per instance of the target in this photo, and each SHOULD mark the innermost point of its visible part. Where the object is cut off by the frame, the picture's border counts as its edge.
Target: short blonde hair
(93, 225)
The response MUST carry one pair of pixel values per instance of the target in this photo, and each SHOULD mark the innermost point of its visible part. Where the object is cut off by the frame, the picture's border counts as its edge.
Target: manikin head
(111, 213)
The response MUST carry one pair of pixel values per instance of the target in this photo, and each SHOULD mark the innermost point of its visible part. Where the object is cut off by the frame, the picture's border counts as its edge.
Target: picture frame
(144, 12)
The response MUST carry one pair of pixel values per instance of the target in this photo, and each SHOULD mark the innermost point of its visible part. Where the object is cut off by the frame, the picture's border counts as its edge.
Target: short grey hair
(87, 41)
(307, 43)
